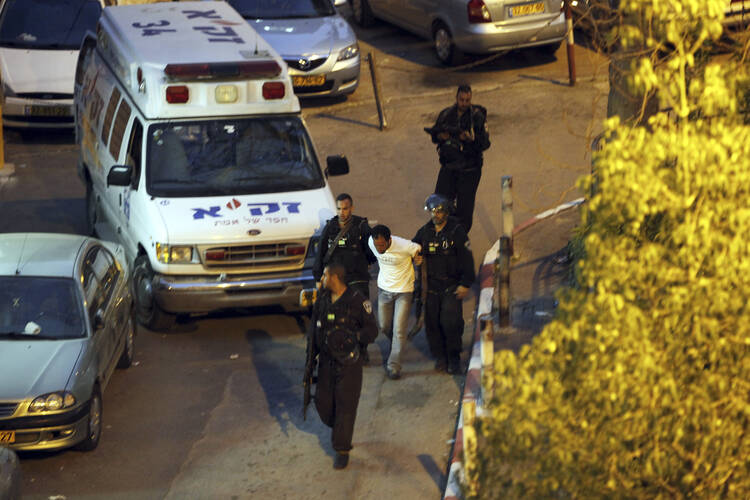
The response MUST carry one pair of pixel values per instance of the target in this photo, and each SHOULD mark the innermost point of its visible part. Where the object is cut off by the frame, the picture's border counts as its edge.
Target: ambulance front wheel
(147, 311)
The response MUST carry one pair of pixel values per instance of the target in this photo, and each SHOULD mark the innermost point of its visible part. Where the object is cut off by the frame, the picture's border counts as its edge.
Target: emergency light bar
(249, 69)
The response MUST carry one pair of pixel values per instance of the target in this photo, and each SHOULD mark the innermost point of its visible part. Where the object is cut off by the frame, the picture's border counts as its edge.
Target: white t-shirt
(396, 271)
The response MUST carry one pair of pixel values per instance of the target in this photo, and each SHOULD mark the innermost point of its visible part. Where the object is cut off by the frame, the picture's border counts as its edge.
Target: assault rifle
(452, 131)
(310, 364)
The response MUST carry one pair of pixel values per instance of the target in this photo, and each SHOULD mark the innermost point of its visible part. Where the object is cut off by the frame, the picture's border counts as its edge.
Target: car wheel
(362, 12)
(445, 49)
(94, 423)
(92, 213)
(128, 352)
(148, 312)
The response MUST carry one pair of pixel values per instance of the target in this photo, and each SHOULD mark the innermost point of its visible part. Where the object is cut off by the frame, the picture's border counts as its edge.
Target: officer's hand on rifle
(443, 136)
(461, 292)
(465, 136)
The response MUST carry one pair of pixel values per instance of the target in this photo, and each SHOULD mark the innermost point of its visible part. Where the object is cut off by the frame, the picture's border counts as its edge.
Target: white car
(39, 42)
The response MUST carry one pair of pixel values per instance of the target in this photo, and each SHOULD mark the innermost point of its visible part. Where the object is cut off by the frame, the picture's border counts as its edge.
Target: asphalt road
(213, 408)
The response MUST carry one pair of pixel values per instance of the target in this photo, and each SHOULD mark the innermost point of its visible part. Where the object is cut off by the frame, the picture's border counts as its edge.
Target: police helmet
(438, 201)
(343, 346)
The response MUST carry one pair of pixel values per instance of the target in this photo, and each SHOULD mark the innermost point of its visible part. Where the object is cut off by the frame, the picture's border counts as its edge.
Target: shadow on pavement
(62, 215)
(282, 385)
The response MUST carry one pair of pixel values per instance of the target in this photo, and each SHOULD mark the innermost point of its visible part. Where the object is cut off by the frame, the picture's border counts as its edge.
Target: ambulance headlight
(348, 52)
(176, 254)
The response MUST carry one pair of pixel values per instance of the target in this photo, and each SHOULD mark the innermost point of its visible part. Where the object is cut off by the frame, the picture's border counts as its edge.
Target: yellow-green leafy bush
(640, 387)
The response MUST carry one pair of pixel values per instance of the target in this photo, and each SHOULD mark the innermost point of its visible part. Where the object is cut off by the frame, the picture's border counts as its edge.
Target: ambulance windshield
(231, 156)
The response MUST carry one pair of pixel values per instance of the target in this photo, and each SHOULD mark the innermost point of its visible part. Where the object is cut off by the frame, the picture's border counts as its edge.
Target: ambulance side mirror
(337, 165)
(119, 175)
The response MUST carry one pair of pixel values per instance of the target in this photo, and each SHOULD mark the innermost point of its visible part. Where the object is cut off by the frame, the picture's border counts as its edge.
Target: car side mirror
(119, 175)
(337, 165)
(98, 320)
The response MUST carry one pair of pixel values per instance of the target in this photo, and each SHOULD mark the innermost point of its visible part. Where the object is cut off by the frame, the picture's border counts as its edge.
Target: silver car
(66, 322)
(471, 26)
(317, 44)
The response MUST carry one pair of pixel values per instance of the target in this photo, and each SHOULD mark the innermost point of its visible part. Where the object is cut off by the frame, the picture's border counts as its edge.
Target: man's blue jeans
(393, 318)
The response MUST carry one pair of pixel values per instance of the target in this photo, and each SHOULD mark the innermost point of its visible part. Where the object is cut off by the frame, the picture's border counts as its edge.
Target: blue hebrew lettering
(214, 31)
(201, 212)
(272, 207)
(208, 14)
(292, 207)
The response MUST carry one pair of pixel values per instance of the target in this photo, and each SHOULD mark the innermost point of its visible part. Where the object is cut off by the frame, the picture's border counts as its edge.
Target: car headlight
(52, 402)
(348, 52)
(174, 254)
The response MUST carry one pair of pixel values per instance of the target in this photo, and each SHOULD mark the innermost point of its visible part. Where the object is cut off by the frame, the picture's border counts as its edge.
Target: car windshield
(47, 24)
(39, 308)
(283, 9)
(242, 156)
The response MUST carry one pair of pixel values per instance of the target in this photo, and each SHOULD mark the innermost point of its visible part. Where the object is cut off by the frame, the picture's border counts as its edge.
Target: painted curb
(473, 375)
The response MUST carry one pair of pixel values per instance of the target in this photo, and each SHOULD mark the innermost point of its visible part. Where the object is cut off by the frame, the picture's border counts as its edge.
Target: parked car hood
(298, 37)
(227, 219)
(33, 368)
(25, 70)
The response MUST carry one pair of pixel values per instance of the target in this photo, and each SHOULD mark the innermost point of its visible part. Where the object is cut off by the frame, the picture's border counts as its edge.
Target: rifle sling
(332, 248)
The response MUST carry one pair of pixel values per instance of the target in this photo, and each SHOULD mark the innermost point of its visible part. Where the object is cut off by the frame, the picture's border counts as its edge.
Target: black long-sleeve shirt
(447, 254)
(474, 118)
(351, 249)
(351, 311)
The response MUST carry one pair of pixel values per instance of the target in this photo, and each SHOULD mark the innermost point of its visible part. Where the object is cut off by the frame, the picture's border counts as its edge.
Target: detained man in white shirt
(395, 289)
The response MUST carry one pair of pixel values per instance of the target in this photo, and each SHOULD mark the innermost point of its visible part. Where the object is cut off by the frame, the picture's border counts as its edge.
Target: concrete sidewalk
(538, 269)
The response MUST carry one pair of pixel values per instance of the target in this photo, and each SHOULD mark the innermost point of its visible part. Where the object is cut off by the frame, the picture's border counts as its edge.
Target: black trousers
(337, 398)
(444, 323)
(461, 186)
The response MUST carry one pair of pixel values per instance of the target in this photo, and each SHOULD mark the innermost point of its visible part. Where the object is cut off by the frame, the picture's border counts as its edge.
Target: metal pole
(487, 347)
(376, 90)
(502, 283)
(570, 44)
(507, 205)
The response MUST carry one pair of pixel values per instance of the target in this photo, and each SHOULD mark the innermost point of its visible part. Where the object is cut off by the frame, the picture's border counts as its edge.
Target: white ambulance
(196, 158)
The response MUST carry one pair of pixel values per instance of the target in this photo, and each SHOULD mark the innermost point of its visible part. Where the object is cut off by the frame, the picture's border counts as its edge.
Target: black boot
(341, 460)
(454, 365)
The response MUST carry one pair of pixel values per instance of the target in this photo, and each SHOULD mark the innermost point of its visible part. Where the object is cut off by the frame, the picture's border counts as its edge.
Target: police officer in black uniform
(461, 135)
(341, 321)
(450, 273)
(344, 241)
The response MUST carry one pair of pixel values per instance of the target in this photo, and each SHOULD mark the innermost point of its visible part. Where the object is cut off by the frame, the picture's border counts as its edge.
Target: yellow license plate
(527, 9)
(308, 80)
(47, 110)
(7, 437)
